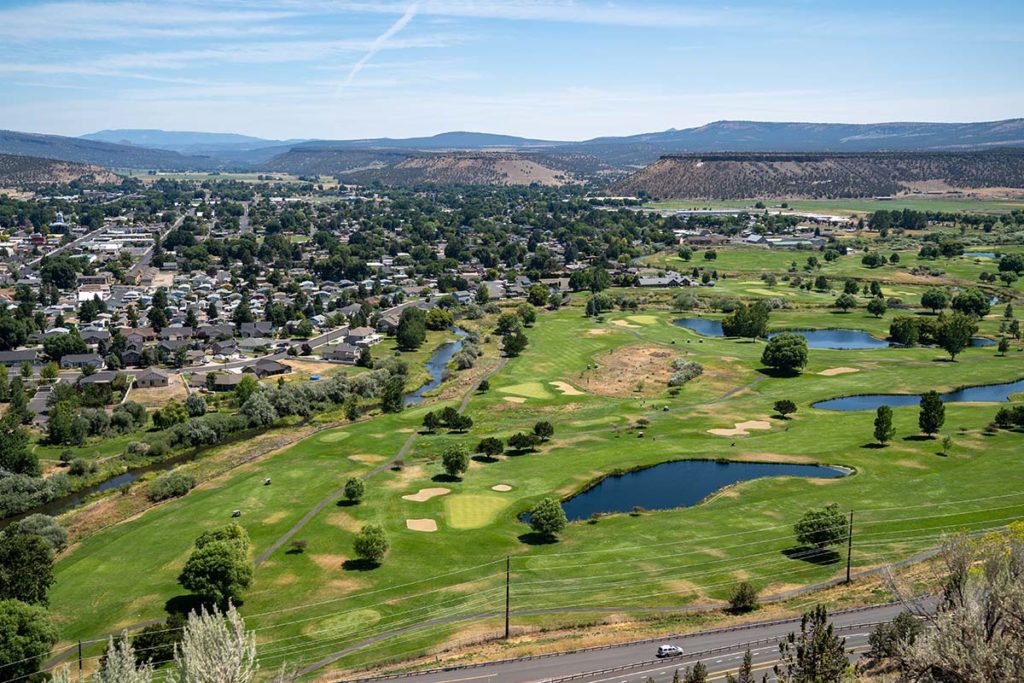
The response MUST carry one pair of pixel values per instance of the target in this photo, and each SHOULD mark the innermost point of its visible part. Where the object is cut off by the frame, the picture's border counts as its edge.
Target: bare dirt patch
(742, 428)
(344, 521)
(501, 487)
(598, 331)
(366, 458)
(773, 457)
(427, 525)
(423, 495)
(515, 399)
(275, 517)
(157, 397)
(328, 561)
(566, 388)
(831, 372)
(638, 370)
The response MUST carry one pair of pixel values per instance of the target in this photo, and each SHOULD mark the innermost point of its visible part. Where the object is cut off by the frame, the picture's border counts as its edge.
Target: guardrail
(597, 648)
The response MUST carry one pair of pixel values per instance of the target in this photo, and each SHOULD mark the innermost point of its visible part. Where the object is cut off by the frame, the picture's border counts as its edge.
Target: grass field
(308, 605)
(852, 206)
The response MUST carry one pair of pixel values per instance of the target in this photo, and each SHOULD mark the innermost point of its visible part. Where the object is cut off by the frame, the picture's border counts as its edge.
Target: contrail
(379, 43)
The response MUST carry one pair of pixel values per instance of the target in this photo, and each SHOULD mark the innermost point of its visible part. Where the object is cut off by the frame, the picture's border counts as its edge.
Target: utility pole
(849, 547)
(508, 592)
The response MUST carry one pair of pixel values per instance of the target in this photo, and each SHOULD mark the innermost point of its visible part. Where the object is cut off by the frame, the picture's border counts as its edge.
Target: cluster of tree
(952, 332)
(27, 634)
(931, 417)
(747, 320)
(449, 418)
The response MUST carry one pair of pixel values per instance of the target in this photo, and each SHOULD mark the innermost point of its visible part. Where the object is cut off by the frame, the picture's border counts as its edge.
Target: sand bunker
(421, 524)
(566, 388)
(423, 495)
(742, 428)
(598, 331)
(837, 371)
(501, 487)
(624, 323)
(515, 399)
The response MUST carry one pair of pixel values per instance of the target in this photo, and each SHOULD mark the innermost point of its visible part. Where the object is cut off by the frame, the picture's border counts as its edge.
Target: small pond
(986, 393)
(680, 483)
(436, 366)
(979, 254)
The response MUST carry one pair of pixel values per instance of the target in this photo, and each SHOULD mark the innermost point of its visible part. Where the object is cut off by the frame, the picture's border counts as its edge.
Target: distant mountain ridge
(100, 153)
(195, 150)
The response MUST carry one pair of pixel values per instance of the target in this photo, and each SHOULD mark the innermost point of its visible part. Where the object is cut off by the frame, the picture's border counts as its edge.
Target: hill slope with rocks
(25, 172)
(788, 175)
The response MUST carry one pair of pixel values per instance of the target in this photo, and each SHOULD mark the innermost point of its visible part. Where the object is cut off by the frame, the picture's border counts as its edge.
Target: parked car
(669, 651)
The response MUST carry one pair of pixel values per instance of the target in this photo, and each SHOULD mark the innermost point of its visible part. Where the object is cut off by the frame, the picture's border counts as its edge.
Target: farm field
(596, 381)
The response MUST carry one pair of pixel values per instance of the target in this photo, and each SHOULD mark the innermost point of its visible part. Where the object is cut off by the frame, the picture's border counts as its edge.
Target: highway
(721, 650)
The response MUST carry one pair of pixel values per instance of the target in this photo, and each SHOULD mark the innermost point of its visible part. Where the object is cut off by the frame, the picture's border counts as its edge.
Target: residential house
(343, 353)
(15, 358)
(149, 379)
(262, 328)
(267, 367)
(81, 360)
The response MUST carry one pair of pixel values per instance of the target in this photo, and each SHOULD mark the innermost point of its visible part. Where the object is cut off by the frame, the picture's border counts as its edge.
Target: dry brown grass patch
(637, 370)
(328, 561)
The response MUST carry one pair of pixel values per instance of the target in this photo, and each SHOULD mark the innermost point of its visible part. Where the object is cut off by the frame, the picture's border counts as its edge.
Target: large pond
(436, 366)
(679, 483)
(987, 393)
(816, 339)
(840, 339)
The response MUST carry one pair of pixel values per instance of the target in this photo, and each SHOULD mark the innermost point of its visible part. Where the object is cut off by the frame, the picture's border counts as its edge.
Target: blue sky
(560, 69)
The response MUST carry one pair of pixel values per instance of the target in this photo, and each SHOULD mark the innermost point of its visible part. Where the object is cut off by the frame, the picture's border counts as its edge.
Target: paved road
(720, 650)
(64, 247)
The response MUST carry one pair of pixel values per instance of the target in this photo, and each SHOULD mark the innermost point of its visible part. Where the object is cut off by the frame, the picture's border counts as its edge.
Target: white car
(669, 651)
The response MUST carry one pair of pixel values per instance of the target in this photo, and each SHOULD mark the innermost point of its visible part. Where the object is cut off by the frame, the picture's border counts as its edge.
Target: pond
(680, 483)
(707, 328)
(436, 366)
(832, 338)
(816, 339)
(986, 393)
(838, 339)
(979, 254)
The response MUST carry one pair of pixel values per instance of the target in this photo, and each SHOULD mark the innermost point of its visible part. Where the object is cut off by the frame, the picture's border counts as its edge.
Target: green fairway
(307, 605)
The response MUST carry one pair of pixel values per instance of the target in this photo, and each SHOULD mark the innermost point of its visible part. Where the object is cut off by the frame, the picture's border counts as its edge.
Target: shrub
(171, 485)
(685, 370)
(744, 598)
